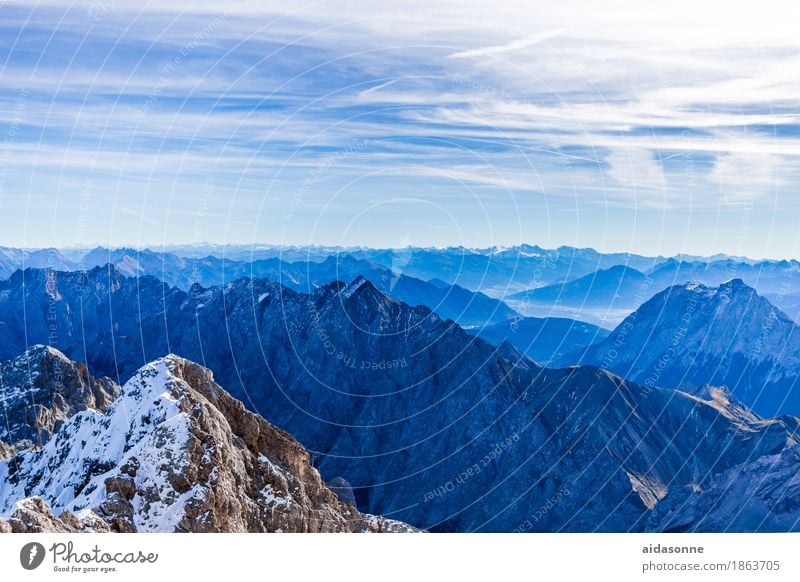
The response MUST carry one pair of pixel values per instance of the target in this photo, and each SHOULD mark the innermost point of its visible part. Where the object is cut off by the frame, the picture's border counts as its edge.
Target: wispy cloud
(607, 105)
(514, 45)
(139, 215)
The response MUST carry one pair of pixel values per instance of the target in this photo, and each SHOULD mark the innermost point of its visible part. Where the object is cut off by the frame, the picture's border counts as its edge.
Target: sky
(622, 126)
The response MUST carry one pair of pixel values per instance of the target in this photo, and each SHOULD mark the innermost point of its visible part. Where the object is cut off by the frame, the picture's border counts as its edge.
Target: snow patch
(350, 290)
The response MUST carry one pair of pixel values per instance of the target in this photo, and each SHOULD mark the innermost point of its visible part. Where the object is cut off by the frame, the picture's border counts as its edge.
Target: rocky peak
(371, 309)
(33, 515)
(689, 336)
(737, 288)
(734, 283)
(175, 452)
(41, 389)
(362, 289)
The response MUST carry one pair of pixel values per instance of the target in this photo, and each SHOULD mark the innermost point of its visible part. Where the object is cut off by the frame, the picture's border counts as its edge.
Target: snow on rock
(174, 452)
(40, 390)
(351, 289)
(34, 515)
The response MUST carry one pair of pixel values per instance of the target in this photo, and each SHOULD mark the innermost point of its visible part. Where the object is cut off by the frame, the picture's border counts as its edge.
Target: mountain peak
(623, 269)
(39, 352)
(41, 389)
(678, 338)
(363, 288)
(176, 452)
(735, 284)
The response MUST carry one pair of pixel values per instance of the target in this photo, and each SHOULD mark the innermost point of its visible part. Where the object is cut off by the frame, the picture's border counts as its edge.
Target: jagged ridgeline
(426, 424)
(172, 452)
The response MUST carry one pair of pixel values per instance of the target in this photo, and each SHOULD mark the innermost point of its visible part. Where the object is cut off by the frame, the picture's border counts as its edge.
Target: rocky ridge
(174, 452)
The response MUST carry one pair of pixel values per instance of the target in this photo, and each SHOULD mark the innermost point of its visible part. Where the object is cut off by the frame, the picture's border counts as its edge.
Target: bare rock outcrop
(33, 515)
(41, 390)
(174, 452)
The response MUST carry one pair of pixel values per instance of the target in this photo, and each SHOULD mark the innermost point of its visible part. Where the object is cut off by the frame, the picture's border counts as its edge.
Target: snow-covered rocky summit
(174, 452)
(40, 390)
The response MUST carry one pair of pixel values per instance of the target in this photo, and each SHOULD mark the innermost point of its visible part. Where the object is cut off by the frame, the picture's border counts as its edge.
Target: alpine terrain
(173, 452)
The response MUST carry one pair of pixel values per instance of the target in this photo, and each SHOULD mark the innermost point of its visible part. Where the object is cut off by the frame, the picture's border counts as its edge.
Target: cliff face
(41, 390)
(174, 452)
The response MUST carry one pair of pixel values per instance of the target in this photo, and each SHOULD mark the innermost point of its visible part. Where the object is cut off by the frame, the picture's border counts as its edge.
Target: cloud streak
(514, 45)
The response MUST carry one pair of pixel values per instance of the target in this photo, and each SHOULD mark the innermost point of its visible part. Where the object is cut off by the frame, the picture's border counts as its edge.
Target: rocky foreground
(174, 452)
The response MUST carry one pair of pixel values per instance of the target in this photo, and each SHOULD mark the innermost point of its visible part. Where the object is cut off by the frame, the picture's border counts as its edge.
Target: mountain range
(606, 296)
(600, 297)
(496, 272)
(577, 283)
(425, 423)
(467, 307)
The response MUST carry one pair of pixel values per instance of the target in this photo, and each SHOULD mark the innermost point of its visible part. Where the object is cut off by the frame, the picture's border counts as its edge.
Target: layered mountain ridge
(427, 424)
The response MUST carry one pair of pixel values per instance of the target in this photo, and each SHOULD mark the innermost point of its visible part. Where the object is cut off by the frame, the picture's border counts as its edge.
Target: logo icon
(31, 555)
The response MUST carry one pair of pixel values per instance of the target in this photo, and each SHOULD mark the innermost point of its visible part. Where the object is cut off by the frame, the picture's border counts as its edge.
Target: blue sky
(660, 130)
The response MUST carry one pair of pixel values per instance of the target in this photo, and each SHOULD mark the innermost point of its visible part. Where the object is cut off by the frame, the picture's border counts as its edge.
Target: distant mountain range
(496, 272)
(767, 277)
(690, 336)
(618, 284)
(575, 276)
(601, 297)
(787, 302)
(503, 272)
(425, 423)
(449, 301)
(607, 296)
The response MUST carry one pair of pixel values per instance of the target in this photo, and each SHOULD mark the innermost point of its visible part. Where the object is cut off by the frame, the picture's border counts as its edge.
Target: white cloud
(636, 169)
(611, 84)
(746, 177)
(486, 176)
(514, 45)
